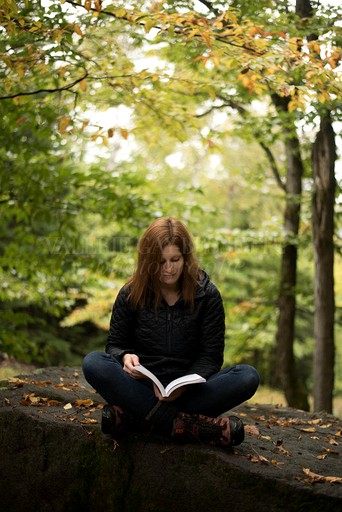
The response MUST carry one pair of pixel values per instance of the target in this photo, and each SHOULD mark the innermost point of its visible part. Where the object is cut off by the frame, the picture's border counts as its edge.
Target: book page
(194, 378)
(151, 376)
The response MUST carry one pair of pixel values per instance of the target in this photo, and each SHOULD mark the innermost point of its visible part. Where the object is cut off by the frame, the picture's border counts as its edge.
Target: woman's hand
(174, 395)
(129, 362)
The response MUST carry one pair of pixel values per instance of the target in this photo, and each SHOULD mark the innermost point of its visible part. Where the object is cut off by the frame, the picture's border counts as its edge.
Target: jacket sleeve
(211, 347)
(120, 338)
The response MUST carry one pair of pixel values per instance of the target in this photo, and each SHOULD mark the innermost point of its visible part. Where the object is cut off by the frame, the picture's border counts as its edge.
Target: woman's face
(171, 265)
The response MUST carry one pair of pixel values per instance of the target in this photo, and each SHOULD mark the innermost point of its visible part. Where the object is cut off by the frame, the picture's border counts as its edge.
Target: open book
(194, 378)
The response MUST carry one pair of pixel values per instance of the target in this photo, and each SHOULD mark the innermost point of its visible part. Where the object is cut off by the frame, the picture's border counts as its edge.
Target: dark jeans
(220, 393)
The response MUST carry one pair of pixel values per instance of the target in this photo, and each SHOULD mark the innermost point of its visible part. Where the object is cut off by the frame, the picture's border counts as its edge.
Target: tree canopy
(207, 100)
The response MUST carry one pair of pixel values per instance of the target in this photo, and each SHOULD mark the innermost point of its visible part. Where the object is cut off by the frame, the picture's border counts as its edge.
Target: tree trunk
(294, 388)
(323, 162)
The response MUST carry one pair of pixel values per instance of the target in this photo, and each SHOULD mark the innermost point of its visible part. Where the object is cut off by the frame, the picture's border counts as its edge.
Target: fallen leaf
(252, 430)
(89, 420)
(329, 450)
(52, 403)
(257, 458)
(315, 478)
(84, 403)
(309, 429)
(282, 450)
(67, 406)
(322, 457)
(7, 402)
(34, 400)
(17, 382)
(332, 441)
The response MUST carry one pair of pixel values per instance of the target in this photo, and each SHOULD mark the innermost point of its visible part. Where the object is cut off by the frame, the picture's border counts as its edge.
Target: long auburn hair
(145, 282)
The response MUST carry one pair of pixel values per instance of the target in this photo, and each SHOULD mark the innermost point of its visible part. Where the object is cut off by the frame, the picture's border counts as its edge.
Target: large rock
(54, 458)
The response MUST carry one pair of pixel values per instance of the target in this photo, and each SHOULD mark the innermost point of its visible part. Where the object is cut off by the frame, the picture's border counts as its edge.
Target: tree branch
(228, 102)
(37, 91)
(210, 6)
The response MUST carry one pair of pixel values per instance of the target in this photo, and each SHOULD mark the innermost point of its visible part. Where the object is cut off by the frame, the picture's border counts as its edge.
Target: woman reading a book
(169, 318)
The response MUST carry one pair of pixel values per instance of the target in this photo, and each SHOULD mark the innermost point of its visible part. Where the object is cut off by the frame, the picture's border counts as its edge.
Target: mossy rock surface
(54, 458)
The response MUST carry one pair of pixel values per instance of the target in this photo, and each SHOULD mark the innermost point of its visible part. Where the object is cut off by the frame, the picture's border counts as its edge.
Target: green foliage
(200, 117)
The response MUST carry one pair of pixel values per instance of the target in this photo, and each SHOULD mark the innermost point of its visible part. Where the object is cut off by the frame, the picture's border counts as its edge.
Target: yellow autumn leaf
(78, 30)
(63, 124)
(88, 420)
(84, 403)
(98, 5)
(314, 477)
(83, 85)
(148, 25)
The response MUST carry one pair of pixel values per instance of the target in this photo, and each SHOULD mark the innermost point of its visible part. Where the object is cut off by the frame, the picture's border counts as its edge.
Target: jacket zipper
(169, 327)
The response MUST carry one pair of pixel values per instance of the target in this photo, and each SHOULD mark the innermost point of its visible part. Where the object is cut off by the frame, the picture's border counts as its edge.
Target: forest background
(226, 115)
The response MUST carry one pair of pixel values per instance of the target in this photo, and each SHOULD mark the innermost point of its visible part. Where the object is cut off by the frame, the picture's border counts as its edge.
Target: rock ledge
(55, 458)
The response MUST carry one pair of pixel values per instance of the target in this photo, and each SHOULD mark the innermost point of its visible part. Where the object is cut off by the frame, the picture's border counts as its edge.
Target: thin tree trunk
(294, 388)
(323, 163)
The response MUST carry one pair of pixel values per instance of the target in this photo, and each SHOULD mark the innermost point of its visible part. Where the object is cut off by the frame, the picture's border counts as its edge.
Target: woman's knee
(91, 362)
(252, 377)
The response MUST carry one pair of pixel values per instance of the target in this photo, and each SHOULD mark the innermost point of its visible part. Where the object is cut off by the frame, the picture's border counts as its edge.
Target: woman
(169, 317)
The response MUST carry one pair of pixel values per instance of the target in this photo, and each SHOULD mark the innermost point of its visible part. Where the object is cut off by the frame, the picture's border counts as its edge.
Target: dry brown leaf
(67, 406)
(329, 450)
(257, 458)
(332, 441)
(315, 478)
(309, 429)
(7, 402)
(252, 430)
(34, 400)
(252, 458)
(283, 450)
(322, 457)
(89, 420)
(84, 403)
(17, 382)
(52, 403)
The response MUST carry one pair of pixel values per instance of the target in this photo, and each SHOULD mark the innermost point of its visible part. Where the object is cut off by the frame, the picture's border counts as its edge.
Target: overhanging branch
(47, 90)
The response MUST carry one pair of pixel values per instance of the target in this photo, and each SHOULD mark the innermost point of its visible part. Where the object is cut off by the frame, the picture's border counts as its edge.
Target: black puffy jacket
(174, 340)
